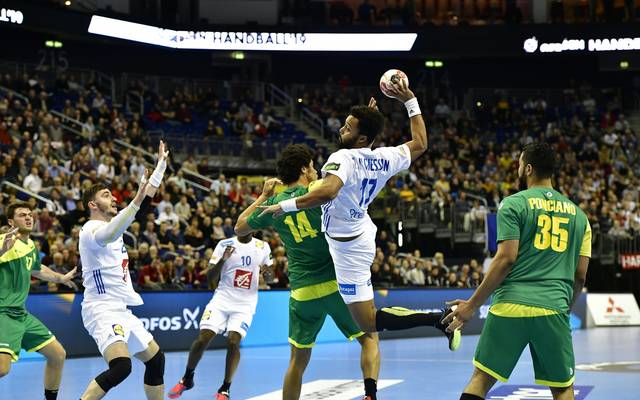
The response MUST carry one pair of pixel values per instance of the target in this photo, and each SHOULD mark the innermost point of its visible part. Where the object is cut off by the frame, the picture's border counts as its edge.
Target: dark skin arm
(580, 278)
(327, 191)
(213, 273)
(498, 271)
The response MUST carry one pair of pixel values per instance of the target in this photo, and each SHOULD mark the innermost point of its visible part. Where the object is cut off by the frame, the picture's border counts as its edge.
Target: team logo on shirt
(331, 167)
(242, 279)
(347, 289)
(118, 330)
(206, 315)
(259, 245)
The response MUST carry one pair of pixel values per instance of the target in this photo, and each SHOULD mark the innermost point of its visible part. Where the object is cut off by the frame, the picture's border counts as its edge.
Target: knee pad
(154, 372)
(119, 370)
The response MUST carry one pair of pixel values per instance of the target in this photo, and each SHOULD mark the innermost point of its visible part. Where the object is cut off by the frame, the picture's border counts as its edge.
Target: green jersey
(553, 232)
(15, 275)
(307, 250)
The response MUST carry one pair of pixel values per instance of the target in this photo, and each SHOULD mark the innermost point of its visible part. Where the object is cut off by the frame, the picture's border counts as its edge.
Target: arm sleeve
(508, 220)
(399, 158)
(115, 228)
(217, 253)
(256, 221)
(338, 165)
(585, 249)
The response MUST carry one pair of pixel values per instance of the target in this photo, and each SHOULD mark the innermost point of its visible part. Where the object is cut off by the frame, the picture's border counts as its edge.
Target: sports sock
(370, 388)
(398, 318)
(225, 387)
(467, 396)
(187, 379)
(50, 394)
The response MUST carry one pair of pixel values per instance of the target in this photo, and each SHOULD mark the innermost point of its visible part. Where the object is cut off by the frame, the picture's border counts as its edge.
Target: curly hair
(291, 161)
(370, 121)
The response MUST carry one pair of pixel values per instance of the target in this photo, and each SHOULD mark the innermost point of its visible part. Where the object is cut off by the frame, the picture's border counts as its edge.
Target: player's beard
(346, 143)
(522, 183)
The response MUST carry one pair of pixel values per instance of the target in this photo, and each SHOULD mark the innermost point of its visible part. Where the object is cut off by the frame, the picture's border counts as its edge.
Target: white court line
(329, 389)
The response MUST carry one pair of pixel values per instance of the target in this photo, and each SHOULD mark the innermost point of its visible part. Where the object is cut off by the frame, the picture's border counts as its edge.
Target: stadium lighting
(53, 43)
(237, 55)
(299, 99)
(434, 64)
(478, 104)
(67, 3)
(624, 64)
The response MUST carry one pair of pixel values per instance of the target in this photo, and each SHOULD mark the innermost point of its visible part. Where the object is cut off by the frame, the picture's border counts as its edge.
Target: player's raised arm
(242, 227)
(418, 143)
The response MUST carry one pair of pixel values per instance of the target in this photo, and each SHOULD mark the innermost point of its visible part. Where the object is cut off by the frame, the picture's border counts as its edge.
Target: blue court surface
(608, 367)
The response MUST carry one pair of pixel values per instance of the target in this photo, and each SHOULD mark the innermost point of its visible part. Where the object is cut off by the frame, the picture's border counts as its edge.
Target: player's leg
(370, 354)
(551, 349)
(501, 343)
(117, 357)
(213, 322)
(237, 325)
(370, 363)
(153, 359)
(231, 363)
(11, 331)
(565, 393)
(197, 349)
(55, 355)
(306, 318)
(37, 337)
(479, 385)
(5, 364)
(293, 378)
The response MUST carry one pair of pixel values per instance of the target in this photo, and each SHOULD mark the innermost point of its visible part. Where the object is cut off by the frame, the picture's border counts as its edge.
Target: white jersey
(105, 269)
(364, 173)
(240, 275)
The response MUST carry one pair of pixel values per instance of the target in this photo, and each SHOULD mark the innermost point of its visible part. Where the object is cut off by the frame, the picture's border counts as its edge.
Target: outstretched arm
(47, 274)
(327, 191)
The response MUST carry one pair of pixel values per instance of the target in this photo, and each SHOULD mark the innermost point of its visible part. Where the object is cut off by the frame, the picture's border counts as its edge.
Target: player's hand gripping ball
(390, 77)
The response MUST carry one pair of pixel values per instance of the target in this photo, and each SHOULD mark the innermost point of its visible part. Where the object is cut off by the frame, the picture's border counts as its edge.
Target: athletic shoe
(454, 337)
(222, 396)
(178, 389)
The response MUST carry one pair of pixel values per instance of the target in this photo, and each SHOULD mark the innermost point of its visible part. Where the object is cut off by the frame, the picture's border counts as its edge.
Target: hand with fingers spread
(67, 279)
(9, 240)
(460, 315)
(275, 209)
(158, 172)
(400, 90)
(163, 152)
(269, 187)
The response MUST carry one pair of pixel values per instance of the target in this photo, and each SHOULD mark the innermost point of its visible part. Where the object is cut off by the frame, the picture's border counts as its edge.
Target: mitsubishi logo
(612, 306)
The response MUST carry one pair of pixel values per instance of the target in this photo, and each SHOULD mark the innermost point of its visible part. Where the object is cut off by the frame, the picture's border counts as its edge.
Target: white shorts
(352, 261)
(109, 323)
(223, 318)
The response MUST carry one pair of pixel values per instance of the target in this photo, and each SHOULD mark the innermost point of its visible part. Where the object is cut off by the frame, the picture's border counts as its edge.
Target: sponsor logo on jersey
(331, 167)
(188, 320)
(242, 279)
(356, 214)
(206, 315)
(525, 392)
(347, 289)
(118, 330)
(259, 244)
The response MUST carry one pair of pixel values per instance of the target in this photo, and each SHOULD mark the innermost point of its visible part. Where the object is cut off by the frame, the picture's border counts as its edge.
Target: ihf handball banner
(173, 317)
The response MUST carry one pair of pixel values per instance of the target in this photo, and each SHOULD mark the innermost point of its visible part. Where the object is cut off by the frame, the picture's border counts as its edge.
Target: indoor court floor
(607, 363)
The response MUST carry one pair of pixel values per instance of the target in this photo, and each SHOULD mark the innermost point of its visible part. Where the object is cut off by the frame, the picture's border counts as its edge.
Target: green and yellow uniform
(314, 290)
(532, 305)
(18, 328)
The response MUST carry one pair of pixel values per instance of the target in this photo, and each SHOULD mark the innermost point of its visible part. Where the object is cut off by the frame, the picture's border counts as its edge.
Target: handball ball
(389, 77)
